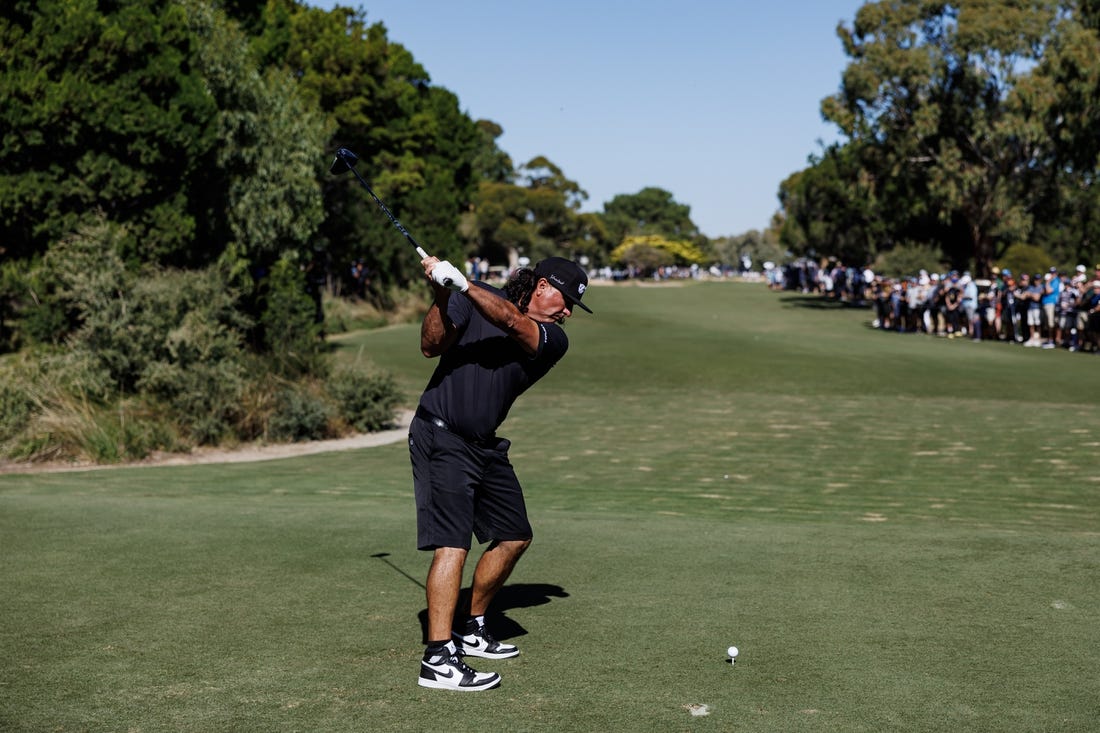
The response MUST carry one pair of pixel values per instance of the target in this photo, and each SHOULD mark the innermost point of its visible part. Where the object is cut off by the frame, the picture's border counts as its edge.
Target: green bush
(119, 433)
(47, 415)
(906, 260)
(366, 401)
(299, 415)
(1025, 258)
(43, 323)
(291, 331)
(15, 410)
(125, 362)
(202, 397)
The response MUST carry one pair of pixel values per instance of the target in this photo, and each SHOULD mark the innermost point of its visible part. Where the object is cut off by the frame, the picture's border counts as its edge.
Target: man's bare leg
(444, 581)
(442, 666)
(493, 569)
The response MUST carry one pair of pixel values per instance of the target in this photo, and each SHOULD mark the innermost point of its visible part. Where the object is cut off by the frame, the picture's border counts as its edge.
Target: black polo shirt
(484, 371)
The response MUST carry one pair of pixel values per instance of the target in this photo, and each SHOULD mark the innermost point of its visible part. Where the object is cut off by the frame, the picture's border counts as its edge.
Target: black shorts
(463, 489)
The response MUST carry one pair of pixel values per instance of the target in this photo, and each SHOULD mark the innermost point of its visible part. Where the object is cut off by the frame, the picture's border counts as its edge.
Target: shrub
(15, 410)
(127, 362)
(49, 413)
(202, 397)
(366, 401)
(1025, 258)
(906, 260)
(191, 335)
(290, 325)
(299, 415)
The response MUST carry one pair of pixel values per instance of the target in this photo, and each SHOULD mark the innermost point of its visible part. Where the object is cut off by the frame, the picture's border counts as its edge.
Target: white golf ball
(732, 651)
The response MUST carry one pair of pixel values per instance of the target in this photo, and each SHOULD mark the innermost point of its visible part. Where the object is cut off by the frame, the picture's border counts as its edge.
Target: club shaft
(385, 209)
(400, 227)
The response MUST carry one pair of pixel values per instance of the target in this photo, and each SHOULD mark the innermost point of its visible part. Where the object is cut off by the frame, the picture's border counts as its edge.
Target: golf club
(345, 161)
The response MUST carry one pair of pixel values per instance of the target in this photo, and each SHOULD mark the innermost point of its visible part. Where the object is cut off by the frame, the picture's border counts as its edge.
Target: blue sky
(715, 101)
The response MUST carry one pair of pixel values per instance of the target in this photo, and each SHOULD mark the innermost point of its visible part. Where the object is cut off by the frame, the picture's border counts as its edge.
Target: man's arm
(437, 333)
(504, 314)
(435, 337)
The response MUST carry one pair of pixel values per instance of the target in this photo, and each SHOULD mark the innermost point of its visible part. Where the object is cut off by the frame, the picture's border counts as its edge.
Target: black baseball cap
(567, 276)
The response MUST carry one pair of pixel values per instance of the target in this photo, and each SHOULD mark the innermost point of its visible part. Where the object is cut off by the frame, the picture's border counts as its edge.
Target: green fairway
(900, 533)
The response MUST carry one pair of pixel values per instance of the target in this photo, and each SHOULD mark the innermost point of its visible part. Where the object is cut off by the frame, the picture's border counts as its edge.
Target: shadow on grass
(517, 595)
(815, 301)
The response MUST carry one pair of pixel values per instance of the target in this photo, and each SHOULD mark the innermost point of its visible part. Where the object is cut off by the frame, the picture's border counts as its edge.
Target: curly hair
(520, 286)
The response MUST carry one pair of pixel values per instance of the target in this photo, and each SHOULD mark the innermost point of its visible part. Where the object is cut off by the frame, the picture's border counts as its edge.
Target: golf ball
(732, 651)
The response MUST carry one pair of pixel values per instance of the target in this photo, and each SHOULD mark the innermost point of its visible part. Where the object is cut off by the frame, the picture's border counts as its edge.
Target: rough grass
(900, 534)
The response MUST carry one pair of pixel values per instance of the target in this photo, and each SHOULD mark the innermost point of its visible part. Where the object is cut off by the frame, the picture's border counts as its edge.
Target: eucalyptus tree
(152, 115)
(1061, 93)
(930, 98)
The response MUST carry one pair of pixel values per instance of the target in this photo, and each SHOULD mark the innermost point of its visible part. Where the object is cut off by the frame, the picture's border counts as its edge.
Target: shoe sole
(435, 685)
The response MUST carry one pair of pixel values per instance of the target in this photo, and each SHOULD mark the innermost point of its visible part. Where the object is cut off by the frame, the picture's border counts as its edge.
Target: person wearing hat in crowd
(1065, 328)
(1088, 322)
(492, 345)
(952, 305)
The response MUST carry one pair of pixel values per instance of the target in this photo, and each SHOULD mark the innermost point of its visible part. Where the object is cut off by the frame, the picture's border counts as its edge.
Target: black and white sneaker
(445, 670)
(478, 642)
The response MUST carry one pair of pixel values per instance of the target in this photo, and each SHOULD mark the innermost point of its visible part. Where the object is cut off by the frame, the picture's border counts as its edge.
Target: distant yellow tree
(651, 251)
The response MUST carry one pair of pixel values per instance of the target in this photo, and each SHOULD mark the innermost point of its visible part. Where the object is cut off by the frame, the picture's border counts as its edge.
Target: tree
(261, 195)
(647, 252)
(650, 211)
(1061, 93)
(417, 149)
(105, 112)
(929, 96)
(833, 208)
(758, 246)
(536, 218)
(490, 163)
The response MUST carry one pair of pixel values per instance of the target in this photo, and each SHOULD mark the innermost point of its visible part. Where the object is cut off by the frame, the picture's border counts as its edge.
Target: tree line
(202, 130)
(969, 140)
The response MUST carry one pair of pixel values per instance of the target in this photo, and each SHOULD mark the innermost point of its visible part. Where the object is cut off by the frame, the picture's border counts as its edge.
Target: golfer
(492, 345)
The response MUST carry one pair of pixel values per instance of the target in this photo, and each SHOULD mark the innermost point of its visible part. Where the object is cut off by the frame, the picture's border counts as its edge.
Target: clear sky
(715, 101)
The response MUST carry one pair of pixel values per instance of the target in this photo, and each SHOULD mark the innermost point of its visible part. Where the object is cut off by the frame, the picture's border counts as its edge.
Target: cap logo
(581, 288)
(554, 278)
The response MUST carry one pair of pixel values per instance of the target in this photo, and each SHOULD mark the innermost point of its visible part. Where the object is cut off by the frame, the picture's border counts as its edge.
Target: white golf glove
(449, 276)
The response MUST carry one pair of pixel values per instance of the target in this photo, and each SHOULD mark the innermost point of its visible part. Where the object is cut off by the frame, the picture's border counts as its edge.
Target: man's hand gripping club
(444, 274)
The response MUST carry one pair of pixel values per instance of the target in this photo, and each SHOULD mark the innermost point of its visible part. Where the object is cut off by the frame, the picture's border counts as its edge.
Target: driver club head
(343, 161)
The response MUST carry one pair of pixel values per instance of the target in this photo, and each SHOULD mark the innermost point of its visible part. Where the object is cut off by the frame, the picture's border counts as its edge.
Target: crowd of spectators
(1051, 310)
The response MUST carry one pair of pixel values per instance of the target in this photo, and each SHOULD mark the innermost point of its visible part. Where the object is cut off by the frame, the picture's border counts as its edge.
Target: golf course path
(242, 454)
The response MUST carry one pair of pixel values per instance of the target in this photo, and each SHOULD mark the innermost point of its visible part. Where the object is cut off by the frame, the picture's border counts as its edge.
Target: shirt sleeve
(458, 310)
(553, 343)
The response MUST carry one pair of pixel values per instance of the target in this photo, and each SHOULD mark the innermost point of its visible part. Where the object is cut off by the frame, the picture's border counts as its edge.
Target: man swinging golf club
(492, 345)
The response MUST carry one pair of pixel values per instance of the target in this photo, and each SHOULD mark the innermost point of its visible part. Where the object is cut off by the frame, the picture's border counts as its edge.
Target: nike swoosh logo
(446, 675)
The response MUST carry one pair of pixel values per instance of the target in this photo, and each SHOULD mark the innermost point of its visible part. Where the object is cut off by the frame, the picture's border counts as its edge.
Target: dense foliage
(969, 127)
